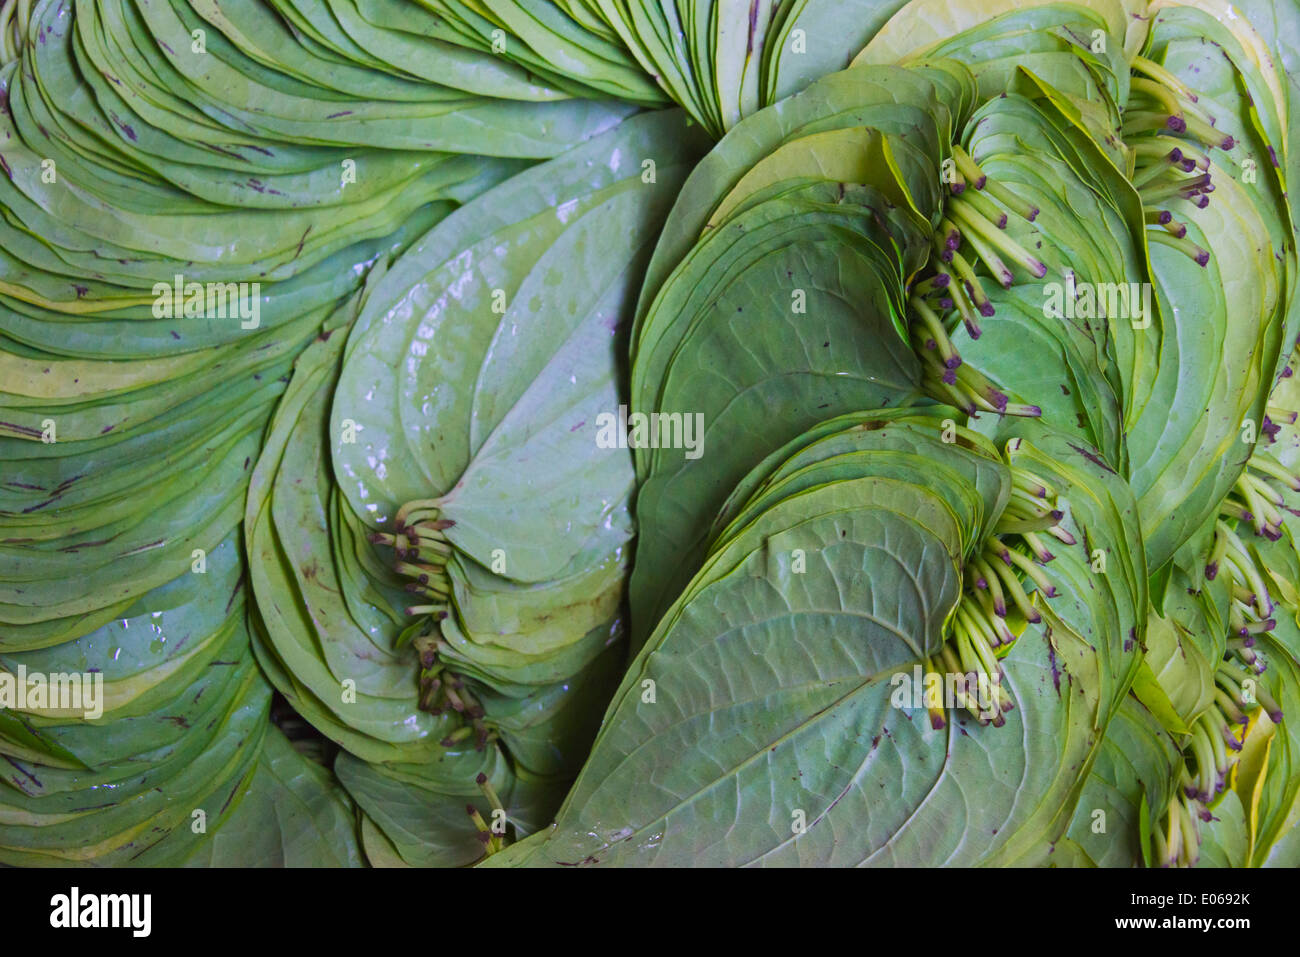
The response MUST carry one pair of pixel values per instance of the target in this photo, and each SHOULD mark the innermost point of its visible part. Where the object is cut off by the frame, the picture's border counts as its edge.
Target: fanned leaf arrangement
(579, 432)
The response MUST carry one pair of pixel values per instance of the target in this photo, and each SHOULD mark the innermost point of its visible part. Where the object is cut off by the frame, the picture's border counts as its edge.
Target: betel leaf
(415, 396)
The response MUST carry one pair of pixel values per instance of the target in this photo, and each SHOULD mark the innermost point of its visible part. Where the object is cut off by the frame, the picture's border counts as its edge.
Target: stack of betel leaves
(571, 432)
